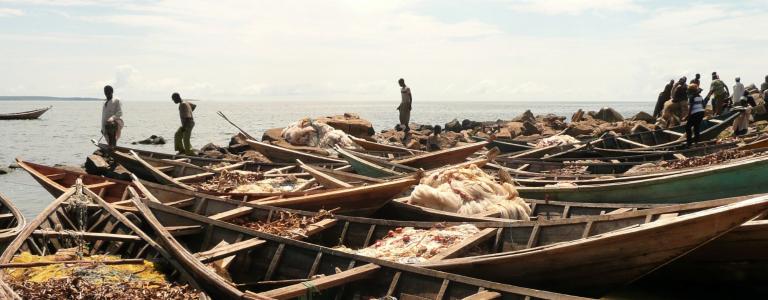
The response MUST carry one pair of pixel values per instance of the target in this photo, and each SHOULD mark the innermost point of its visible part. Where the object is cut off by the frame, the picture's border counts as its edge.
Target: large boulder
(350, 123)
(453, 125)
(272, 135)
(609, 115)
(515, 129)
(469, 124)
(526, 116)
(579, 129)
(530, 128)
(255, 156)
(640, 127)
(644, 116)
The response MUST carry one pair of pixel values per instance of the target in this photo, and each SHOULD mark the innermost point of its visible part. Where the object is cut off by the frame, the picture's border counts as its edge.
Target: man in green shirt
(184, 133)
(720, 92)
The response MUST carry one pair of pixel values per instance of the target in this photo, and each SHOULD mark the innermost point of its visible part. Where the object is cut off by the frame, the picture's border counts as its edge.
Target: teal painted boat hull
(740, 178)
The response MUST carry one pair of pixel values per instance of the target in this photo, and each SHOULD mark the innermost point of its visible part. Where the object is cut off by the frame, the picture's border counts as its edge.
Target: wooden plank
(232, 213)
(483, 295)
(100, 185)
(619, 211)
(194, 177)
(87, 235)
(315, 265)
(675, 133)
(313, 229)
(667, 216)
(443, 289)
(636, 144)
(467, 243)
(679, 156)
(534, 238)
(323, 283)
(587, 230)
(393, 284)
(275, 260)
(228, 250)
(178, 231)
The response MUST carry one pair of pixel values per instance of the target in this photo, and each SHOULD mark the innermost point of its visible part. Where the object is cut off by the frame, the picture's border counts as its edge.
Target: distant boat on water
(25, 115)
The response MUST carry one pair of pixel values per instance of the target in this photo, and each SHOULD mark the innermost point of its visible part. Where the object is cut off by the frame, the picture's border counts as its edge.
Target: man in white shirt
(738, 91)
(111, 117)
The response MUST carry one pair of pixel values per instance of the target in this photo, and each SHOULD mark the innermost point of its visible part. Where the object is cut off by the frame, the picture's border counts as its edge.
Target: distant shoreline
(46, 98)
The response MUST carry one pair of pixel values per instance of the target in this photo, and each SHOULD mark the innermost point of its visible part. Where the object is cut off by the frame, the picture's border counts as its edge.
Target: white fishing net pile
(469, 191)
(306, 132)
(409, 245)
(556, 140)
(271, 185)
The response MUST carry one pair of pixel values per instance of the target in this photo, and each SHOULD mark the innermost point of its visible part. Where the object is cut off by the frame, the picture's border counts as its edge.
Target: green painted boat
(376, 168)
(736, 178)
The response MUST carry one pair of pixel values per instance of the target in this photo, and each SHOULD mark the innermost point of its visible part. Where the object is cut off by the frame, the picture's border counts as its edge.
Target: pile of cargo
(287, 224)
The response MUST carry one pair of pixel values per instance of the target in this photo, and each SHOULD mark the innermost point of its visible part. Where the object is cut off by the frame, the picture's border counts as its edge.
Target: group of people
(112, 122)
(681, 101)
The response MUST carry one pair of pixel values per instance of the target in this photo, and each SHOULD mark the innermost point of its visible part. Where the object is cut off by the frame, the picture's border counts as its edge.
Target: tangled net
(91, 280)
(409, 245)
(287, 224)
(249, 182)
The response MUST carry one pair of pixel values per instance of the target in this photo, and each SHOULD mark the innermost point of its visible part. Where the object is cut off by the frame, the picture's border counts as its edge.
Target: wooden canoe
(736, 178)
(107, 232)
(195, 160)
(280, 154)
(504, 146)
(11, 221)
(25, 115)
(605, 258)
(373, 146)
(441, 158)
(282, 268)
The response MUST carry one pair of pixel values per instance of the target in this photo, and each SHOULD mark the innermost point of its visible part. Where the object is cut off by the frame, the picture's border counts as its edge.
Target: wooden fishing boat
(735, 178)
(504, 146)
(283, 268)
(80, 218)
(606, 258)
(280, 154)
(374, 167)
(11, 221)
(195, 160)
(360, 200)
(496, 235)
(441, 158)
(25, 115)
(373, 146)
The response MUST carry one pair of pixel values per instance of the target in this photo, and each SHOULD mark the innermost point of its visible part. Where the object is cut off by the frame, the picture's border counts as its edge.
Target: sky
(347, 50)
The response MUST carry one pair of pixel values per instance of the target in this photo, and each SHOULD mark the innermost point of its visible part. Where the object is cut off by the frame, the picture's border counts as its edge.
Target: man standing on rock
(738, 91)
(665, 95)
(680, 98)
(111, 113)
(405, 106)
(697, 79)
(184, 133)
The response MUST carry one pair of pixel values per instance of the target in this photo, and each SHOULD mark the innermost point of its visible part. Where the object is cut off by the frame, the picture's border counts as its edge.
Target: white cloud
(10, 12)
(575, 7)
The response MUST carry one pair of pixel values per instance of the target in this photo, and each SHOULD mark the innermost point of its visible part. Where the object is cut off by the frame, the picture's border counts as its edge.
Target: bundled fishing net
(287, 224)
(91, 280)
(556, 140)
(409, 245)
(307, 132)
(469, 191)
(249, 182)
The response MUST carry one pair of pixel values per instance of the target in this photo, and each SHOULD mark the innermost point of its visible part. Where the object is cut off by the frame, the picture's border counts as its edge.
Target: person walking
(406, 100)
(720, 91)
(665, 95)
(183, 135)
(697, 80)
(738, 91)
(696, 106)
(111, 117)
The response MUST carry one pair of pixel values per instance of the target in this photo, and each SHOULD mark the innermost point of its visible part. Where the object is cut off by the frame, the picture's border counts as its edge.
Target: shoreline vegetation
(46, 98)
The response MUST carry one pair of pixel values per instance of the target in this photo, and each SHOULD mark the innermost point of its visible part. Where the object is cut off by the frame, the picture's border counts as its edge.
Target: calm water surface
(61, 135)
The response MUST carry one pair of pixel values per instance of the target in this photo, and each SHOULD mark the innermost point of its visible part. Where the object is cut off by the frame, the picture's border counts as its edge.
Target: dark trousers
(694, 122)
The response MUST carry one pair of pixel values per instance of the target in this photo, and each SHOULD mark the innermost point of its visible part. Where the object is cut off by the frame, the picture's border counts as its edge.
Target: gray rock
(644, 116)
(152, 140)
(453, 125)
(609, 115)
(527, 116)
(14, 165)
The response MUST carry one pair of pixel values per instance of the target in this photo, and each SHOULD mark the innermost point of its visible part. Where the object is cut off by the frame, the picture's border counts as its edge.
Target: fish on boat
(101, 248)
(282, 268)
(11, 221)
(360, 200)
(25, 115)
(738, 177)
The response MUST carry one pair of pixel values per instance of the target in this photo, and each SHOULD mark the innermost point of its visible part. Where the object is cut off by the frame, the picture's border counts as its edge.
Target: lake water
(62, 135)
